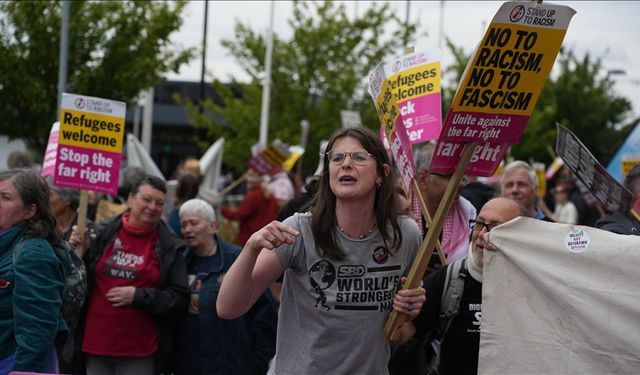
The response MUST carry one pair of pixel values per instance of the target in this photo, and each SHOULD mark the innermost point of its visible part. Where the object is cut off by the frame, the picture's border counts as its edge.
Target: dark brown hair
(187, 187)
(34, 190)
(324, 220)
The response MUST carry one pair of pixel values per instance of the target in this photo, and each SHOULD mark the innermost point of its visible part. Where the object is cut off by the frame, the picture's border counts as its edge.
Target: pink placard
(84, 168)
(422, 117)
(401, 151)
(467, 127)
(484, 161)
(49, 161)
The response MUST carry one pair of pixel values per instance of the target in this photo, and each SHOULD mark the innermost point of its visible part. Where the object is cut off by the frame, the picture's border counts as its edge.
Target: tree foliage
(578, 94)
(116, 49)
(320, 70)
(581, 97)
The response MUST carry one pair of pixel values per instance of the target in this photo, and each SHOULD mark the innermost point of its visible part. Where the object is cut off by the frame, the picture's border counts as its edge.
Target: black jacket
(620, 223)
(232, 346)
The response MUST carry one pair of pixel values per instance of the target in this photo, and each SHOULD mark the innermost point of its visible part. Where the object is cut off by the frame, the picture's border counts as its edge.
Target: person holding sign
(459, 336)
(342, 264)
(31, 274)
(137, 285)
(455, 232)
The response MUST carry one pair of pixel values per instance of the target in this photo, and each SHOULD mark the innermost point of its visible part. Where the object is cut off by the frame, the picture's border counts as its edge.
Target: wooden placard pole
(235, 183)
(82, 221)
(422, 259)
(423, 206)
(427, 218)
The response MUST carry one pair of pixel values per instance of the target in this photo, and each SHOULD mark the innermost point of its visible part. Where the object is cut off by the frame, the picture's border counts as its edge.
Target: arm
(409, 303)
(256, 268)
(36, 297)
(170, 298)
(246, 209)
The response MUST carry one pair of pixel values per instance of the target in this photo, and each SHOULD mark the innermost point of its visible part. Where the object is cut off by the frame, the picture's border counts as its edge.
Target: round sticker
(380, 254)
(577, 240)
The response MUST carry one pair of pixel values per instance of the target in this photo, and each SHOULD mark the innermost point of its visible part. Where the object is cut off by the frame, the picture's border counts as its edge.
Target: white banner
(560, 299)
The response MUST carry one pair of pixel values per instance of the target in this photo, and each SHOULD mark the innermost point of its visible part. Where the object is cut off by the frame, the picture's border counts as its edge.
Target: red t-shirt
(130, 260)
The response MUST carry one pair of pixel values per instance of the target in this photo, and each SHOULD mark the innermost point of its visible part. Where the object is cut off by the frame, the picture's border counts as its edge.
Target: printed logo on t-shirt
(358, 287)
(123, 265)
(476, 310)
(321, 276)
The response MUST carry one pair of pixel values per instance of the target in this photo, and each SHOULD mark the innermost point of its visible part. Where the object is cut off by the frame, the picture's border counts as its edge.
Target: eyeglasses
(358, 157)
(478, 225)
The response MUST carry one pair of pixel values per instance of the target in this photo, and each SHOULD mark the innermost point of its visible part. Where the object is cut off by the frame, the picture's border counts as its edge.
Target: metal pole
(266, 85)
(406, 24)
(441, 31)
(147, 120)
(136, 120)
(204, 54)
(64, 49)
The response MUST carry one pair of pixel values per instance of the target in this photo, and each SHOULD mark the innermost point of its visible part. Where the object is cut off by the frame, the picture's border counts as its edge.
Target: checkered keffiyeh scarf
(417, 212)
(454, 230)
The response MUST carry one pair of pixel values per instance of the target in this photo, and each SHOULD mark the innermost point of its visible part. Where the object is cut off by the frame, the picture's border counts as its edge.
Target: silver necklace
(362, 236)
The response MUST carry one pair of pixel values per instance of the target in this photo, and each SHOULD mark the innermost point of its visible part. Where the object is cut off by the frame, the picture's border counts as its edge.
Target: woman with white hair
(207, 344)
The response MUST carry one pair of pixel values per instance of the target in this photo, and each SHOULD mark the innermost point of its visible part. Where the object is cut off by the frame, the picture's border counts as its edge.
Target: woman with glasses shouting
(342, 263)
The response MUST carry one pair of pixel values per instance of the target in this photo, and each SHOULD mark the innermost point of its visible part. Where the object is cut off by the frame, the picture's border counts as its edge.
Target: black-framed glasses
(358, 157)
(478, 225)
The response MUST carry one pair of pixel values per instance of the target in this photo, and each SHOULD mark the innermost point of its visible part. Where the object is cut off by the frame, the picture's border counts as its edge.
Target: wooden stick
(235, 183)
(427, 217)
(82, 221)
(422, 259)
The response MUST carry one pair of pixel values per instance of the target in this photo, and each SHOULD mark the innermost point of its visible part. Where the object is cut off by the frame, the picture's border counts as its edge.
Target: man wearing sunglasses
(459, 334)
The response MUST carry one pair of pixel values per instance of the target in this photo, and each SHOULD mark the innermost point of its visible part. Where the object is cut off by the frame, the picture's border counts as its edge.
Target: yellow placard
(415, 82)
(628, 164)
(508, 70)
(91, 130)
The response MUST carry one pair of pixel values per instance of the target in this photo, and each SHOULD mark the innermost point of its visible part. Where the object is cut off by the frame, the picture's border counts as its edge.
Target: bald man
(460, 343)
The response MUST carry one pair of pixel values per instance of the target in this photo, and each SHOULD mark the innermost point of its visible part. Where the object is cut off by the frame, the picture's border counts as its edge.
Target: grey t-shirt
(332, 313)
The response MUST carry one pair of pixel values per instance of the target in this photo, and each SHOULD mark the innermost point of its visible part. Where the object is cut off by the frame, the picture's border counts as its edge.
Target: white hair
(200, 207)
(511, 167)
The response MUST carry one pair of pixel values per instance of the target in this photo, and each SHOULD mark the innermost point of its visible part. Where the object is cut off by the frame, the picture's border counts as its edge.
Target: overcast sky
(606, 29)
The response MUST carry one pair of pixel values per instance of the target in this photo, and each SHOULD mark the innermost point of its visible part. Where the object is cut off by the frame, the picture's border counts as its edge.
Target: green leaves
(116, 49)
(322, 69)
(578, 94)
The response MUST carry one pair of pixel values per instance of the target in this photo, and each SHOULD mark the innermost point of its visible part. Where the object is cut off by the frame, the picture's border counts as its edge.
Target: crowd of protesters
(168, 294)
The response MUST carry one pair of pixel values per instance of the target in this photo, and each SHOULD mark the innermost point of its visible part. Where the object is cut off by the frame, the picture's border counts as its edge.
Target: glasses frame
(350, 153)
(473, 225)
